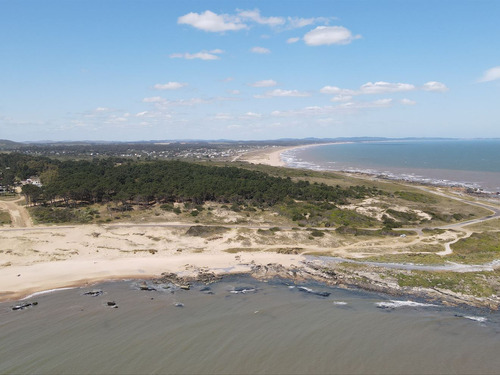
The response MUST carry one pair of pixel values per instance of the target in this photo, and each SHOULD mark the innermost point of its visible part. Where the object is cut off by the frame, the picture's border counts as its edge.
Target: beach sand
(42, 258)
(272, 155)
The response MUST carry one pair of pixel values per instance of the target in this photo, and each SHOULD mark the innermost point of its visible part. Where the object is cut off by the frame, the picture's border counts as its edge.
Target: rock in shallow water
(24, 305)
(310, 291)
(93, 293)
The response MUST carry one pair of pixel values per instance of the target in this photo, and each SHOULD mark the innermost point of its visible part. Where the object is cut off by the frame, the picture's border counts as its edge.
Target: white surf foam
(392, 304)
(46, 292)
(480, 319)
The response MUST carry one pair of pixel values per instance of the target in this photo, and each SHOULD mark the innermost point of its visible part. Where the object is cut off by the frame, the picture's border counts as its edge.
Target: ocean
(467, 163)
(241, 326)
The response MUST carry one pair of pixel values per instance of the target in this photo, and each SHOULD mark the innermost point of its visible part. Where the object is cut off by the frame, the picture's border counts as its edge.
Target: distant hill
(5, 144)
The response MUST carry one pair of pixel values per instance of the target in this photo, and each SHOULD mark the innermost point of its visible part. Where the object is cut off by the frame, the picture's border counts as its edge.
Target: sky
(248, 70)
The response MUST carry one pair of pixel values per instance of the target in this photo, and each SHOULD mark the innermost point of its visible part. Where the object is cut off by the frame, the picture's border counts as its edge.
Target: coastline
(79, 257)
(43, 258)
(272, 156)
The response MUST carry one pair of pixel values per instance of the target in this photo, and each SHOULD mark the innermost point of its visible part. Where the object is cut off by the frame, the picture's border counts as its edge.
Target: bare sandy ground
(42, 258)
(18, 214)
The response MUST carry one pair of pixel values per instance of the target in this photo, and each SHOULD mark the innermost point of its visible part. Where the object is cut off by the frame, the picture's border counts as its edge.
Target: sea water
(469, 163)
(241, 326)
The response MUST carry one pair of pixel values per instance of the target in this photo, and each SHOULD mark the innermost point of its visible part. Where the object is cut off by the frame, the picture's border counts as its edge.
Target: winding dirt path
(20, 217)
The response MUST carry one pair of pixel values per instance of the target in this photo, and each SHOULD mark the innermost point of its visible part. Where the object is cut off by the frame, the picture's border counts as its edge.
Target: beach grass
(413, 258)
(4, 218)
(471, 283)
(477, 249)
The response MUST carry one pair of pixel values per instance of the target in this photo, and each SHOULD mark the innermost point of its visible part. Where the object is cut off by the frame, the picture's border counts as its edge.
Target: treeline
(175, 181)
(18, 166)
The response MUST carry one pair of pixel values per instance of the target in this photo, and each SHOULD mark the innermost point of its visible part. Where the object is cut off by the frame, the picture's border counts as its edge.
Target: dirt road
(20, 217)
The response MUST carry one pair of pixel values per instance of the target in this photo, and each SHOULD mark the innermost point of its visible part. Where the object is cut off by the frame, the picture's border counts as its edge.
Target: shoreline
(46, 258)
(272, 157)
(305, 272)
(23, 280)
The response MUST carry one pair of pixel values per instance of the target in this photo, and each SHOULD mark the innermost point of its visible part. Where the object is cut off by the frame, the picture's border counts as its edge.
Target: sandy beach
(272, 155)
(42, 258)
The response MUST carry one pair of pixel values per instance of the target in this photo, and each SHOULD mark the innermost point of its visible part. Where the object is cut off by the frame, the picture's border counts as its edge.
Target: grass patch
(235, 250)
(415, 197)
(373, 232)
(486, 225)
(53, 215)
(407, 217)
(205, 231)
(476, 284)
(287, 250)
(4, 218)
(432, 231)
(478, 248)
(407, 258)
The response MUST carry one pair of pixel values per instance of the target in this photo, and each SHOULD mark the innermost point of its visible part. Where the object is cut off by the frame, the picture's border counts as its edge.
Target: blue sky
(143, 70)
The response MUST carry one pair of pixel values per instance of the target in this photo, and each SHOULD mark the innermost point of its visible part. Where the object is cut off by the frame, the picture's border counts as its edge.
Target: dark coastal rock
(112, 304)
(243, 290)
(94, 293)
(146, 287)
(24, 305)
(184, 283)
(310, 291)
(178, 304)
(207, 277)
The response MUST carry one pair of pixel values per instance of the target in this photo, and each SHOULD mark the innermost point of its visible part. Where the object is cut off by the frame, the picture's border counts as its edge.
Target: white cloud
(169, 86)
(264, 83)
(212, 22)
(102, 109)
(296, 22)
(203, 55)
(283, 93)
(385, 87)
(341, 98)
(406, 101)
(327, 35)
(260, 50)
(252, 115)
(223, 116)
(292, 40)
(343, 108)
(255, 16)
(337, 91)
(233, 92)
(491, 75)
(434, 86)
(162, 102)
(154, 99)
(381, 102)
(242, 19)
(381, 87)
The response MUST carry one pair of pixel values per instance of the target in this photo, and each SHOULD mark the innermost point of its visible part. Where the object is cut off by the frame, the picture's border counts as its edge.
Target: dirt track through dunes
(20, 217)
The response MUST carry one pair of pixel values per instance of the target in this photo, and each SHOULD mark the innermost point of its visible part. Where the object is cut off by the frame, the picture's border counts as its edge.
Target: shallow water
(277, 329)
(473, 163)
